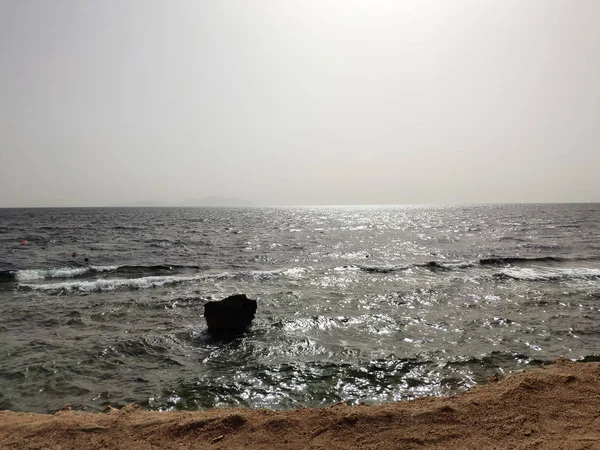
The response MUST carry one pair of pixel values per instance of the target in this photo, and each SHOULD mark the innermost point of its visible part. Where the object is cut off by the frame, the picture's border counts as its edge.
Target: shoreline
(555, 406)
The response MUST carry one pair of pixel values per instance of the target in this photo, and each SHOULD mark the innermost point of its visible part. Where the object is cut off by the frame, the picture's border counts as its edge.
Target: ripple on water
(356, 304)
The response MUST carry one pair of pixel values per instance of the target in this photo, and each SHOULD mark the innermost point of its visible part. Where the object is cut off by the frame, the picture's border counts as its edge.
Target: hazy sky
(299, 102)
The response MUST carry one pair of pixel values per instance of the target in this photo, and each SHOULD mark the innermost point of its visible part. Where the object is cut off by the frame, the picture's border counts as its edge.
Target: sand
(554, 407)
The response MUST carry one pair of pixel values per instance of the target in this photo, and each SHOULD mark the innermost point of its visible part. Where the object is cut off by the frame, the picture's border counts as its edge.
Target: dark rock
(231, 315)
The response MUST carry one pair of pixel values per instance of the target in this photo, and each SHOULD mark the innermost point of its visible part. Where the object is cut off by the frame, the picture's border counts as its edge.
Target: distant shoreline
(399, 205)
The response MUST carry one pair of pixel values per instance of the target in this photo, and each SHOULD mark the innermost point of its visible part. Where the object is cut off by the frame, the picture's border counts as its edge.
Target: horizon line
(299, 205)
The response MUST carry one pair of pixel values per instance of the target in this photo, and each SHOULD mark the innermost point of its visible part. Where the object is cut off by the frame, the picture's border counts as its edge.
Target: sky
(301, 102)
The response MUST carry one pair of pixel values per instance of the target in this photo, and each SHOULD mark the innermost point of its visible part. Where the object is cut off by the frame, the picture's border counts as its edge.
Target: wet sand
(555, 407)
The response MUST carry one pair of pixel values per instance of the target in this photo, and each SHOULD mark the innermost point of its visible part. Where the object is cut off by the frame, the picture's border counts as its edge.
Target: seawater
(355, 304)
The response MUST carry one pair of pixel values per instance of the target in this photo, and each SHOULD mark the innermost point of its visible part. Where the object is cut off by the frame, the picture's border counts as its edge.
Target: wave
(383, 268)
(549, 274)
(391, 268)
(41, 274)
(106, 284)
(27, 275)
(294, 272)
(152, 269)
(111, 284)
(523, 260)
(458, 265)
(502, 261)
(447, 265)
(452, 265)
(139, 271)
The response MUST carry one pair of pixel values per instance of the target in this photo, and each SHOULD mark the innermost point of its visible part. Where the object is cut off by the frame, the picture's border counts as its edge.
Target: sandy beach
(557, 406)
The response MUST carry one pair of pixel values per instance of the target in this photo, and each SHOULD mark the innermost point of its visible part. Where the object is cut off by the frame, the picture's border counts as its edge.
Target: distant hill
(216, 201)
(146, 203)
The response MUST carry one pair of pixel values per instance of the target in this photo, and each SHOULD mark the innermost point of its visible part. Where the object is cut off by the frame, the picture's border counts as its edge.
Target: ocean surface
(355, 304)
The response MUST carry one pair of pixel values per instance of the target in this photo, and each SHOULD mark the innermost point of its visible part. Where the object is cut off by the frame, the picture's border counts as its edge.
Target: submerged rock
(231, 315)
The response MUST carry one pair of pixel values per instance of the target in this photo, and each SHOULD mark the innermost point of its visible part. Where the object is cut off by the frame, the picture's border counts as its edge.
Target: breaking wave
(108, 284)
(502, 261)
(63, 272)
(98, 278)
(383, 268)
(549, 274)
(79, 271)
(111, 284)
(518, 260)
(447, 265)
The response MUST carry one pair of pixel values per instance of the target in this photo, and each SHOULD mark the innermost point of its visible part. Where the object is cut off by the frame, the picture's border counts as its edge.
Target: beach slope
(557, 406)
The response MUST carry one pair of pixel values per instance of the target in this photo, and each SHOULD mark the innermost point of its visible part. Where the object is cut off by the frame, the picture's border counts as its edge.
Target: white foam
(347, 269)
(261, 274)
(295, 272)
(254, 274)
(104, 268)
(550, 274)
(40, 274)
(456, 264)
(110, 285)
(29, 275)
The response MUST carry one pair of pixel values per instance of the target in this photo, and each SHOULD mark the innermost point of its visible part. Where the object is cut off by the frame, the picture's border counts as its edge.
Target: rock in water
(230, 315)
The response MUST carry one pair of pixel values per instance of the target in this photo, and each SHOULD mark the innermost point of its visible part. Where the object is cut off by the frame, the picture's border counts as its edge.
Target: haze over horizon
(299, 102)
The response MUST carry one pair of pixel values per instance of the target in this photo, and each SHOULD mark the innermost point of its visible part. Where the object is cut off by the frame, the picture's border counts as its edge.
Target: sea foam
(549, 274)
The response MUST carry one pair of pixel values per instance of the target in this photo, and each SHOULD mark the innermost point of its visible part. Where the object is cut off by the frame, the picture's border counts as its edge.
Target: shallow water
(355, 304)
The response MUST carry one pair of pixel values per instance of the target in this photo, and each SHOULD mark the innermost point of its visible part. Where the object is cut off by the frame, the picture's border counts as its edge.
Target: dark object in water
(86, 259)
(74, 254)
(231, 315)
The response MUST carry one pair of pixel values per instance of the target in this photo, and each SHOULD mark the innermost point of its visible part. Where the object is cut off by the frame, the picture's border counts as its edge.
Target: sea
(356, 304)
